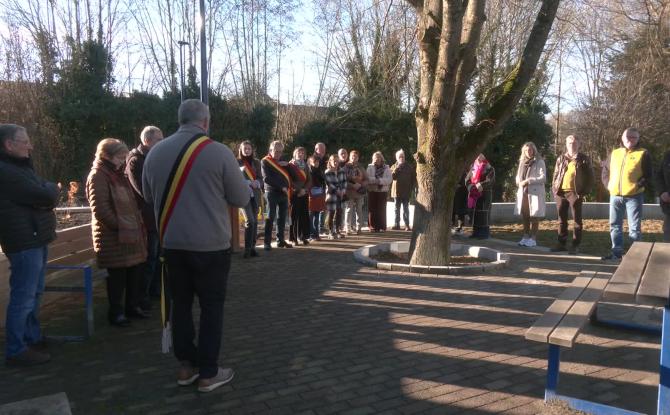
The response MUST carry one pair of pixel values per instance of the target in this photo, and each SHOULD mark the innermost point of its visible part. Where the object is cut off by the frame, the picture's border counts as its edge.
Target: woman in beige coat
(119, 236)
(531, 194)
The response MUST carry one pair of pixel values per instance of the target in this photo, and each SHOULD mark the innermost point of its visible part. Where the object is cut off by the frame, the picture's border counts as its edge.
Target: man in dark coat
(663, 190)
(134, 164)
(28, 225)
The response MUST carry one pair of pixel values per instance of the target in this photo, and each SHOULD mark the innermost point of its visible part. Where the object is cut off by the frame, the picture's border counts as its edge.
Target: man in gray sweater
(196, 240)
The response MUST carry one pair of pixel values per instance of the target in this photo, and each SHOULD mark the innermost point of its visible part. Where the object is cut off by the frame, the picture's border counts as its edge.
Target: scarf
(478, 169)
(379, 171)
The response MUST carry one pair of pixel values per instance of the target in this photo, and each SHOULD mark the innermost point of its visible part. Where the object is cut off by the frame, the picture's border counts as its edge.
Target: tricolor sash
(248, 171)
(284, 172)
(174, 186)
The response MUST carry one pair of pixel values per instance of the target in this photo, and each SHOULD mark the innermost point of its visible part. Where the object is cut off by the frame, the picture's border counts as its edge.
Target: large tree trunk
(448, 33)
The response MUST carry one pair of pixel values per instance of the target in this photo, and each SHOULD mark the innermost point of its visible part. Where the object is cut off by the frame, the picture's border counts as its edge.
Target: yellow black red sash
(248, 171)
(177, 178)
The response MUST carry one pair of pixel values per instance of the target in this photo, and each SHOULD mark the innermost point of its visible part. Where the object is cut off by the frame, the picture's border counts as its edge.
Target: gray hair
(399, 152)
(148, 134)
(631, 130)
(8, 132)
(192, 111)
(275, 143)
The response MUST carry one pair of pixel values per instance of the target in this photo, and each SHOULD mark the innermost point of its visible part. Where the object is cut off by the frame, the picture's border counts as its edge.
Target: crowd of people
(168, 198)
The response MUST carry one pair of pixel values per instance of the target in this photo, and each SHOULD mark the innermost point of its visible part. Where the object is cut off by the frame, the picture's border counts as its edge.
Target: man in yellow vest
(626, 173)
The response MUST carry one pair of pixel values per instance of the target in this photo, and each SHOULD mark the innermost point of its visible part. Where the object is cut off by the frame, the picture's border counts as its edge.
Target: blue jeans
(315, 223)
(277, 208)
(26, 284)
(631, 206)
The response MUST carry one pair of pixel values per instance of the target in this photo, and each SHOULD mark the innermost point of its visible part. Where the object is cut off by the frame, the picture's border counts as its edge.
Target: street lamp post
(181, 66)
(203, 56)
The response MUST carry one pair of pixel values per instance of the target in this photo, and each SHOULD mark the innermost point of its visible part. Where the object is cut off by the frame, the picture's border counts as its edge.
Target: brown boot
(29, 357)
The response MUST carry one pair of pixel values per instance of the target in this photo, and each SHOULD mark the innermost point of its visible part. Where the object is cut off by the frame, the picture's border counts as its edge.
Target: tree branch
(507, 94)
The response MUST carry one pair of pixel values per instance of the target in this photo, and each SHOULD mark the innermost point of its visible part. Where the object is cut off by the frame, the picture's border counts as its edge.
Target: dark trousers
(120, 281)
(404, 203)
(339, 215)
(250, 213)
(277, 208)
(300, 226)
(333, 221)
(377, 211)
(481, 215)
(204, 274)
(666, 228)
(152, 274)
(572, 202)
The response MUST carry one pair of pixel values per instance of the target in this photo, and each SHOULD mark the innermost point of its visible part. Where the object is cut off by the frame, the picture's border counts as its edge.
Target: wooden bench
(71, 252)
(643, 277)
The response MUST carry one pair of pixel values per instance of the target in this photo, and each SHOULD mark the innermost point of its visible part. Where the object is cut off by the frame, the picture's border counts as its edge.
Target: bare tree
(449, 32)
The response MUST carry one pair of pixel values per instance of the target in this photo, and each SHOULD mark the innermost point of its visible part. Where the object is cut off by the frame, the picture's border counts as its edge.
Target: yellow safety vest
(626, 172)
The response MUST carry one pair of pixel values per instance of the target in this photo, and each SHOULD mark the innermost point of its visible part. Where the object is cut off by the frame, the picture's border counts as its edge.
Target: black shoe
(284, 244)
(305, 242)
(611, 257)
(573, 250)
(253, 253)
(138, 313)
(246, 254)
(396, 227)
(119, 321)
(267, 247)
(558, 248)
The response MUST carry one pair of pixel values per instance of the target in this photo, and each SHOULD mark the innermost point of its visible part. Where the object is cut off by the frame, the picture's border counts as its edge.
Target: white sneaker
(523, 242)
(530, 242)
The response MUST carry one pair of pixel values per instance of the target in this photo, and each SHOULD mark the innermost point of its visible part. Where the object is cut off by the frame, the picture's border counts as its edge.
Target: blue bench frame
(87, 289)
(663, 402)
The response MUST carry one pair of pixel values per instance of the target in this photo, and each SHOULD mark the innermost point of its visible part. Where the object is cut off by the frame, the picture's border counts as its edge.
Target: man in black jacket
(573, 179)
(134, 163)
(28, 225)
(663, 190)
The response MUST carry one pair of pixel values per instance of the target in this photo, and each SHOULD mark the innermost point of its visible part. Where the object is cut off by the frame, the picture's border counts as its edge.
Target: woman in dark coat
(479, 184)
(251, 170)
(119, 236)
(300, 228)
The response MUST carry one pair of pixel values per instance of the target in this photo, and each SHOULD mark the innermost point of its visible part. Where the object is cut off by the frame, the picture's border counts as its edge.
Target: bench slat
(73, 233)
(655, 286)
(624, 283)
(544, 326)
(63, 249)
(75, 259)
(574, 320)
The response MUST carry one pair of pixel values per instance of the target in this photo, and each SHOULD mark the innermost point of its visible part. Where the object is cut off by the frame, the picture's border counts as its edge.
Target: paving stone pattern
(310, 331)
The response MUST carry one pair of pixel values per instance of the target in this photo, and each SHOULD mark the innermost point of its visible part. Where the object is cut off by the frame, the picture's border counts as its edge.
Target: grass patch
(595, 236)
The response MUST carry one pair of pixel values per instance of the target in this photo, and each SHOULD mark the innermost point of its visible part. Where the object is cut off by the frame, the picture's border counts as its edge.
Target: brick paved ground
(309, 331)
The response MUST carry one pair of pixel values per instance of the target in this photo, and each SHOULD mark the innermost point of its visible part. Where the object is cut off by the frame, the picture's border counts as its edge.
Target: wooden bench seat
(70, 257)
(564, 319)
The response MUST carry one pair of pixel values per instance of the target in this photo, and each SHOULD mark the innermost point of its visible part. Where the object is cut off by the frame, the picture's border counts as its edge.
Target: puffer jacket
(119, 236)
(26, 206)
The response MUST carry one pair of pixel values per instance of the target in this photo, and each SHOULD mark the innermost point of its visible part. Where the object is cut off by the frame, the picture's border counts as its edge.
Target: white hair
(148, 134)
(398, 153)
